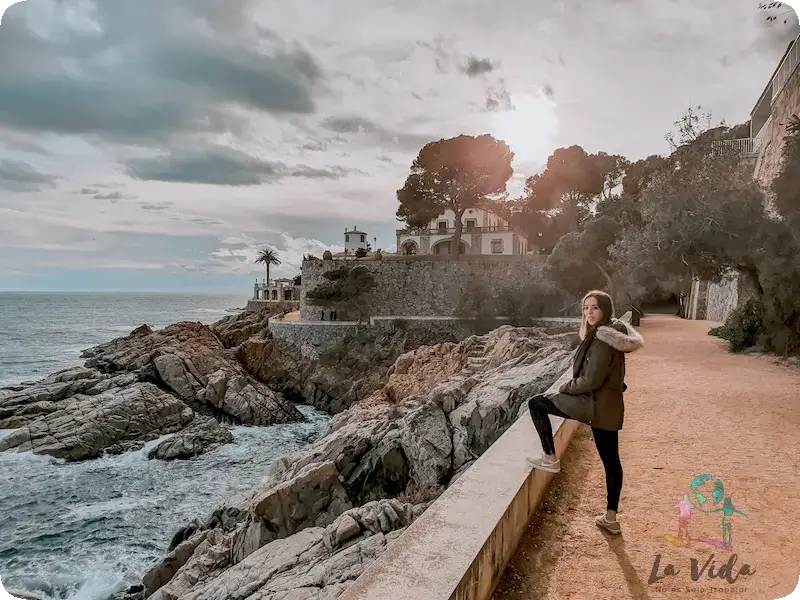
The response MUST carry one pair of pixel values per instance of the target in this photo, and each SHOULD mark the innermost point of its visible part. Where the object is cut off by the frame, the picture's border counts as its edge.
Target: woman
(592, 396)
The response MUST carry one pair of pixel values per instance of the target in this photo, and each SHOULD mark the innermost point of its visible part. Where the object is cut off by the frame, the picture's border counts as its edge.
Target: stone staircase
(476, 360)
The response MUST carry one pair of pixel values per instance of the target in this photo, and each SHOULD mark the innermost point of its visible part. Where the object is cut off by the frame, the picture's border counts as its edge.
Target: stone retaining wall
(428, 286)
(312, 339)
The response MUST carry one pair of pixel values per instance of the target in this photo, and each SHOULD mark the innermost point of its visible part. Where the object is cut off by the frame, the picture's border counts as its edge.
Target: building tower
(355, 239)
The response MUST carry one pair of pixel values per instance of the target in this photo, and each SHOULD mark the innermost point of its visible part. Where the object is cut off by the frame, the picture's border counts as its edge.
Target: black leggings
(607, 443)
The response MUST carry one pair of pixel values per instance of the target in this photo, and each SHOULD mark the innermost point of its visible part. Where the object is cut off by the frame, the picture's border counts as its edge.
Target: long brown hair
(606, 305)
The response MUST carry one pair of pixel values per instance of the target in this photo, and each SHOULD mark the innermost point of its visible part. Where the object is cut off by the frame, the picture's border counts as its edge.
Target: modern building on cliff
(483, 232)
(779, 100)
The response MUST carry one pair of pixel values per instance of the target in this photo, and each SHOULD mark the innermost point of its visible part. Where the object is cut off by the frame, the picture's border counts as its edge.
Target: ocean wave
(216, 311)
(99, 510)
(125, 328)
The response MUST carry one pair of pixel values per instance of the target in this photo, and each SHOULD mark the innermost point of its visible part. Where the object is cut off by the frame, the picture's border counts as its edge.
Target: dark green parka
(594, 394)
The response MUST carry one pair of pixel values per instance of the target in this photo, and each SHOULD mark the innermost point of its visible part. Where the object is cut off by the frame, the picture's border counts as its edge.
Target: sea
(83, 531)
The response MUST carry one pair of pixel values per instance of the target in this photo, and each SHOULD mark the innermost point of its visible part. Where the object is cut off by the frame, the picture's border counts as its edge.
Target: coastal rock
(192, 362)
(140, 387)
(317, 563)
(235, 329)
(88, 424)
(343, 376)
(25, 404)
(332, 507)
(201, 435)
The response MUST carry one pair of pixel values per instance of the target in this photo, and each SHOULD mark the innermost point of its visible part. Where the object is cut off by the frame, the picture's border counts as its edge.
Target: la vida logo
(706, 498)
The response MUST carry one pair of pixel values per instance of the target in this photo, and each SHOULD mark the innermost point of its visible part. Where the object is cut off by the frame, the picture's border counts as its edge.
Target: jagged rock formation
(140, 387)
(331, 508)
(342, 376)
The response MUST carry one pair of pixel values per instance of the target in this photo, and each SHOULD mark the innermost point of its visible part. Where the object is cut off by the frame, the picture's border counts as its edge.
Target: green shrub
(780, 277)
(743, 327)
(539, 298)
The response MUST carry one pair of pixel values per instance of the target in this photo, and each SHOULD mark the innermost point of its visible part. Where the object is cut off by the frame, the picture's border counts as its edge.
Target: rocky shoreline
(411, 414)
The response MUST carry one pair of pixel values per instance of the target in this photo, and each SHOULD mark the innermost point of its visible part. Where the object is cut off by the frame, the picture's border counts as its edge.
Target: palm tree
(268, 256)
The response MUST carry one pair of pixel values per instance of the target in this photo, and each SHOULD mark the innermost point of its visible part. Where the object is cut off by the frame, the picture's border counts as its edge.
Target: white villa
(483, 232)
(275, 290)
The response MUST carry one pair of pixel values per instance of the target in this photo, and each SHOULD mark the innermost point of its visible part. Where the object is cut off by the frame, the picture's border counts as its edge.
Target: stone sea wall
(312, 339)
(428, 285)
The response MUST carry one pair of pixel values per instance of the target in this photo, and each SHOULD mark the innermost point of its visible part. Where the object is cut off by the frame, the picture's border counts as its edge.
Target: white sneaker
(610, 526)
(543, 463)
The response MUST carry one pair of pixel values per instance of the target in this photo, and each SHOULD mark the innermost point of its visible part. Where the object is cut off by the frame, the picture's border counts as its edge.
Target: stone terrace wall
(312, 339)
(428, 285)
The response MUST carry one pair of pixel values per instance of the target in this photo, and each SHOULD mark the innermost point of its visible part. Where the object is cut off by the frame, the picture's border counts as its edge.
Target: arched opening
(409, 248)
(287, 294)
(445, 247)
(274, 294)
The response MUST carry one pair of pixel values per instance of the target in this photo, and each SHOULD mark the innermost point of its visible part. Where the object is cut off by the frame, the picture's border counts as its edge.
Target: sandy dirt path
(692, 408)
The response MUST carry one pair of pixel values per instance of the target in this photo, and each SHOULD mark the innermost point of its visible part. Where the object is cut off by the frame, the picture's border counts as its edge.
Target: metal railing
(452, 230)
(761, 136)
(742, 147)
(786, 68)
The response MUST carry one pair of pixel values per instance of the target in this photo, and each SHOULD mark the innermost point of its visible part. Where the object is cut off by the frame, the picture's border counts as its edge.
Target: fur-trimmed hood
(620, 336)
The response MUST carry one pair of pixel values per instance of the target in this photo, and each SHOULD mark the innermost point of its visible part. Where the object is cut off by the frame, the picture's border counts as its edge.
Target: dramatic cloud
(145, 70)
(222, 166)
(143, 136)
(21, 177)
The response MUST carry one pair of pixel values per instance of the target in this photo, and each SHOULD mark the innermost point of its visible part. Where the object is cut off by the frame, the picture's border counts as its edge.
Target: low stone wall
(428, 285)
(312, 339)
(460, 546)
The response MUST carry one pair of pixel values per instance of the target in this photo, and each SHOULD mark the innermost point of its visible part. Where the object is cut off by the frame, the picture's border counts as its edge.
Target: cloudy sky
(156, 144)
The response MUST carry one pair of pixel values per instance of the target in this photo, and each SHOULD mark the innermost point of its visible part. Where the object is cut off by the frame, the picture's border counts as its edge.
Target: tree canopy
(454, 174)
(268, 256)
(581, 261)
(346, 288)
(559, 199)
(640, 227)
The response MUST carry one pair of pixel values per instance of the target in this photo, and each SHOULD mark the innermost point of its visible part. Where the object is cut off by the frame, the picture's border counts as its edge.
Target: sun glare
(528, 128)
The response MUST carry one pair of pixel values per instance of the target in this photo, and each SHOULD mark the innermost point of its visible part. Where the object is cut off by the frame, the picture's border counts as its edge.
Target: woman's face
(592, 312)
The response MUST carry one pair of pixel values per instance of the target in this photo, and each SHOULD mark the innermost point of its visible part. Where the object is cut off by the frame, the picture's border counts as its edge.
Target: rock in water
(203, 434)
(136, 389)
(86, 425)
(190, 360)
